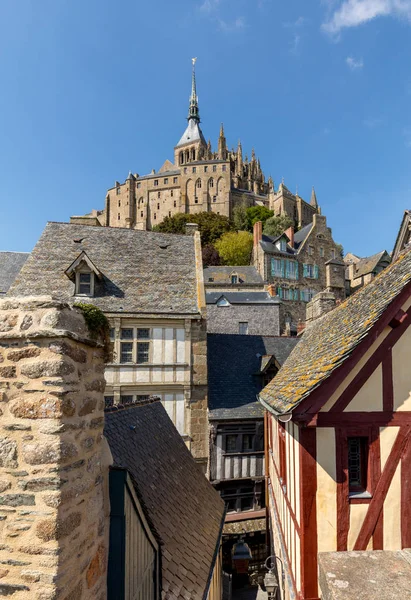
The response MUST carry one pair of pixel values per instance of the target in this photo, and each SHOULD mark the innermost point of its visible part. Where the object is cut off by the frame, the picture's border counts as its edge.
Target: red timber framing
(308, 503)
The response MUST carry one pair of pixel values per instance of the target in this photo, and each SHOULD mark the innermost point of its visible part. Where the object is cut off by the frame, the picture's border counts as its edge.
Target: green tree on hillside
(258, 213)
(211, 225)
(211, 258)
(277, 225)
(240, 218)
(235, 248)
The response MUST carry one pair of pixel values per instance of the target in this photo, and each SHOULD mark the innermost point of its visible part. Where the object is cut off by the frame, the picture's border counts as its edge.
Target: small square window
(165, 180)
(143, 350)
(175, 203)
(205, 169)
(214, 198)
(175, 179)
(118, 217)
(139, 185)
(84, 284)
(243, 328)
(155, 216)
(234, 279)
(172, 193)
(224, 167)
(127, 334)
(357, 464)
(231, 443)
(158, 194)
(141, 214)
(158, 206)
(119, 202)
(247, 442)
(155, 181)
(214, 168)
(185, 170)
(126, 399)
(126, 352)
(108, 401)
(196, 200)
(118, 191)
(143, 334)
(321, 252)
(194, 169)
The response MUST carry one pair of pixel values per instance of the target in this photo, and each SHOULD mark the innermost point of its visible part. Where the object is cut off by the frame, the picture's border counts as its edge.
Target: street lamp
(241, 556)
(270, 580)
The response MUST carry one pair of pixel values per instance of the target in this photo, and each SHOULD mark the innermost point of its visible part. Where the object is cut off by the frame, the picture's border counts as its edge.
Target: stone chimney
(258, 233)
(53, 457)
(191, 228)
(320, 305)
(290, 233)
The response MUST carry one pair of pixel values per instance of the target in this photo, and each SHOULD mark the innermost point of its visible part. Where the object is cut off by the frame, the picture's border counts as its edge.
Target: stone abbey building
(199, 179)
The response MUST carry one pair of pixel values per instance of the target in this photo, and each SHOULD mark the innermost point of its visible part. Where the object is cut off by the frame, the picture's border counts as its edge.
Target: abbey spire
(193, 112)
(313, 199)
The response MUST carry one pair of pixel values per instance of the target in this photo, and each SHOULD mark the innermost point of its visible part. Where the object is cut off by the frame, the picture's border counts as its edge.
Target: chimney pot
(191, 228)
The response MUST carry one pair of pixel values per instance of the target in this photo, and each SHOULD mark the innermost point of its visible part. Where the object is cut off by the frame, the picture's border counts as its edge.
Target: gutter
(215, 555)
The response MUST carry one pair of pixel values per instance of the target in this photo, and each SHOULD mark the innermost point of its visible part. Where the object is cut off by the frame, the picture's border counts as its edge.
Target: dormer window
(84, 284)
(83, 273)
(234, 279)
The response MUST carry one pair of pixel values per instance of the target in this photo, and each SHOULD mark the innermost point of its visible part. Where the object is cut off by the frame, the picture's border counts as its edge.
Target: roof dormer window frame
(83, 266)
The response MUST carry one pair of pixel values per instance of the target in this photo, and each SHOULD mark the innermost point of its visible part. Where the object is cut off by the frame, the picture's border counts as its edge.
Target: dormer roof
(82, 259)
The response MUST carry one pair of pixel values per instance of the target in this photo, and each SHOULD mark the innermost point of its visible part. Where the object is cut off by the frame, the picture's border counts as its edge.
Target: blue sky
(321, 88)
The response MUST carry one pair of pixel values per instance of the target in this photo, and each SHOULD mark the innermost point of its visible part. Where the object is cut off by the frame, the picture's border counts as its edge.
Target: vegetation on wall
(97, 324)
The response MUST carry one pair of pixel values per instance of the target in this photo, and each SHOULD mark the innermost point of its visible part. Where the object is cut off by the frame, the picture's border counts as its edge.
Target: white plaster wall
(326, 490)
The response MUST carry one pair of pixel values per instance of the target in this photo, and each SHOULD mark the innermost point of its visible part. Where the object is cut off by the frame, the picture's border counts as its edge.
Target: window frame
(241, 325)
(84, 271)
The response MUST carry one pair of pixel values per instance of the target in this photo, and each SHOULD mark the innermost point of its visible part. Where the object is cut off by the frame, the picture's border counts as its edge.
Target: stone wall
(199, 393)
(263, 319)
(53, 513)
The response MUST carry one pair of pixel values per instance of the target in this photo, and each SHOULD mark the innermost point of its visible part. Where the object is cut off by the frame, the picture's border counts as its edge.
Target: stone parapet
(53, 513)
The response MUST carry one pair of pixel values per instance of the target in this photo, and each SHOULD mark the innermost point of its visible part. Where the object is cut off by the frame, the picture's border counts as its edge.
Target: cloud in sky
(211, 8)
(296, 30)
(352, 13)
(354, 64)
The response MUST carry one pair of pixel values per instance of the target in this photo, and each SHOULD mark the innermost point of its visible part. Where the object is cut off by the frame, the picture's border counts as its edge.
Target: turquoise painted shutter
(315, 271)
(280, 292)
(272, 266)
(282, 268)
(296, 270)
(287, 269)
(295, 294)
(305, 270)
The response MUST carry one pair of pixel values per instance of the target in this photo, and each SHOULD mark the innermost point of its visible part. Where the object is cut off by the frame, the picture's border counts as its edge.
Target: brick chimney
(191, 228)
(258, 232)
(272, 290)
(319, 306)
(290, 233)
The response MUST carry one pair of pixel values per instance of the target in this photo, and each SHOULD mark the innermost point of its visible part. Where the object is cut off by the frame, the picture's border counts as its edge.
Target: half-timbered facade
(338, 416)
(150, 286)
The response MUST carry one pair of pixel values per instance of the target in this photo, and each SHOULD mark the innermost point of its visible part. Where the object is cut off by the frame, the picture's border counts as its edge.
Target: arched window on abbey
(198, 183)
(211, 182)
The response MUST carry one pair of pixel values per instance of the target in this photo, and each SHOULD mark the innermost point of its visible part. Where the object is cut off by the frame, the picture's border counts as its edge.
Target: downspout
(267, 477)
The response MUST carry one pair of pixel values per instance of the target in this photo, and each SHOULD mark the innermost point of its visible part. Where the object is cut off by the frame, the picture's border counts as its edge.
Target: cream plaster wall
(326, 490)
(357, 516)
(402, 373)
(369, 397)
(327, 406)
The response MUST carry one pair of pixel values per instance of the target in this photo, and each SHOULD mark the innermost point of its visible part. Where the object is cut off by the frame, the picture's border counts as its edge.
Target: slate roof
(185, 510)
(192, 133)
(10, 266)
(247, 274)
(330, 341)
(301, 234)
(143, 271)
(267, 244)
(234, 362)
(368, 264)
(242, 297)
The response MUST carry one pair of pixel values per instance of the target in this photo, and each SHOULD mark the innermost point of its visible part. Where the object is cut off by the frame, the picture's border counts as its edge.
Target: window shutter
(279, 292)
(315, 271)
(272, 266)
(287, 269)
(305, 270)
(296, 270)
(282, 267)
(295, 294)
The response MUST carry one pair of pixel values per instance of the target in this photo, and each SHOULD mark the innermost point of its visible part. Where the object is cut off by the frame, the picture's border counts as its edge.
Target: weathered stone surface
(40, 483)
(64, 348)
(8, 372)
(87, 407)
(52, 500)
(7, 322)
(19, 354)
(47, 368)
(8, 589)
(17, 500)
(43, 407)
(4, 485)
(87, 443)
(3, 573)
(54, 530)
(17, 427)
(97, 566)
(8, 453)
(26, 323)
(39, 454)
(97, 385)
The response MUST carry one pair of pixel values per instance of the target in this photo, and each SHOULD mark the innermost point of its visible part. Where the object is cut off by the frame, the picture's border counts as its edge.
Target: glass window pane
(126, 399)
(85, 277)
(108, 401)
(112, 333)
(243, 328)
(143, 349)
(247, 442)
(127, 334)
(126, 352)
(85, 288)
(231, 443)
(143, 334)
